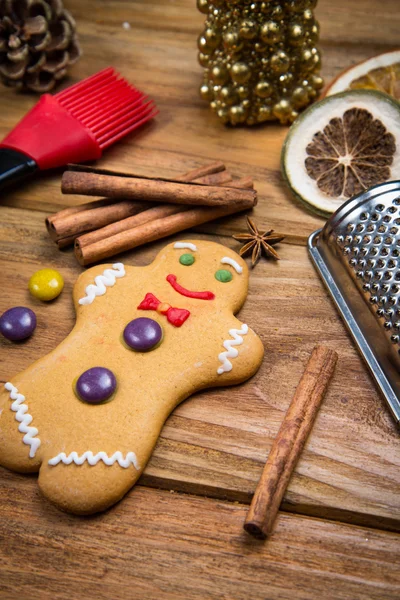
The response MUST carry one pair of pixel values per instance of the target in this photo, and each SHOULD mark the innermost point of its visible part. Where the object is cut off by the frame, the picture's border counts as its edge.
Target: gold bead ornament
(260, 59)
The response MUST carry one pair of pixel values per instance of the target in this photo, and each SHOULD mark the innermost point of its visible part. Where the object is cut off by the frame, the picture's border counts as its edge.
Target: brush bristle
(107, 105)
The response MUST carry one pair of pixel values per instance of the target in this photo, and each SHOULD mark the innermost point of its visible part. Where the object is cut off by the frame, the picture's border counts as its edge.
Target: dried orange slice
(341, 146)
(381, 73)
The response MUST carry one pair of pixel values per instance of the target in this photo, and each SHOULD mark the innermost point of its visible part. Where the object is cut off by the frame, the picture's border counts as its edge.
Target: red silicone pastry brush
(75, 125)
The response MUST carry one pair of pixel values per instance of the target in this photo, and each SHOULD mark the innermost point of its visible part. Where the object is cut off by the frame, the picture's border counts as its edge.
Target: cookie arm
(241, 355)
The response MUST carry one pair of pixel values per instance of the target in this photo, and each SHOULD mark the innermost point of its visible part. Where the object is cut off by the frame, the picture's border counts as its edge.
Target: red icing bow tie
(175, 316)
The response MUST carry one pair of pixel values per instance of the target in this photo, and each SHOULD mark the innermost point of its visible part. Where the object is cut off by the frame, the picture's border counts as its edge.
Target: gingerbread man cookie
(87, 416)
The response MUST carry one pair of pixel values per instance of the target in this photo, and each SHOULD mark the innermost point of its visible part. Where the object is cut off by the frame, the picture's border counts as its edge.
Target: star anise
(257, 242)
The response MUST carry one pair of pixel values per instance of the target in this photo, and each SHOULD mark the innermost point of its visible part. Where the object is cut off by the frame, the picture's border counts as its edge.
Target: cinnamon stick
(214, 167)
(163, 210)
(92, 234)
(155, 190)
(290, 442)
(244, 183)
(80, 221)
(156, 212)
(72, 210)
(209, 175)
(220, 178)
(199, 172)
(59, 222)
(152, 230)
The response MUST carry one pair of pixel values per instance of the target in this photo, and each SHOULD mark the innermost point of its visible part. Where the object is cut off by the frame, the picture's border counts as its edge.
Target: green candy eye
(186, 259)
(223, 275)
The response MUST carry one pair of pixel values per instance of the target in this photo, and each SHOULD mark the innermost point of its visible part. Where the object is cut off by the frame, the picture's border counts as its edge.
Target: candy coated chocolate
(46, 284)
(142, 334)
(96, 385)
(17, 323)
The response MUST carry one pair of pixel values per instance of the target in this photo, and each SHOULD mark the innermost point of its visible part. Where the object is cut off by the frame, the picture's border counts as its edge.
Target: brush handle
(14, 166)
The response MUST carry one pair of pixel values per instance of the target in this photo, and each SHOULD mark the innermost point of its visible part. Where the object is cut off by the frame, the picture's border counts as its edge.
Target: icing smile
(188, 293)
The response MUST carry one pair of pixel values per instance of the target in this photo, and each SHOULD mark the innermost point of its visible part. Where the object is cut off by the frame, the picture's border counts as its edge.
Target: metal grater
(357, 254)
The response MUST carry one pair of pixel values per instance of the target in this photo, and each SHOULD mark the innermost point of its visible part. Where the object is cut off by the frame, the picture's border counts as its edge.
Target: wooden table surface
(178, 534)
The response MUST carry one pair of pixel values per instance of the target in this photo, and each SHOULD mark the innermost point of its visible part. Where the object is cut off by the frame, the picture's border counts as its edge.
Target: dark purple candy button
(142, 334)
(96, 385)
(17, 323)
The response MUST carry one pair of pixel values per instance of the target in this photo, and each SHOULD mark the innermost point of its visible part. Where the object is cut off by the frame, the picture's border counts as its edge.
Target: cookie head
(204, 271)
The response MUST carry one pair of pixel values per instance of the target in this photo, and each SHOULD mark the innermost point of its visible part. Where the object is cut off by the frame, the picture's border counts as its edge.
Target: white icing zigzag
(23, 417)
(93, 459)
(101, 282)
(230, 351)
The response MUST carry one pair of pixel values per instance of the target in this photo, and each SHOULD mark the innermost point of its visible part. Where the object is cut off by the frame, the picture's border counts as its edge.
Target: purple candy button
(17, 323)
(142, 334)
(96, 385)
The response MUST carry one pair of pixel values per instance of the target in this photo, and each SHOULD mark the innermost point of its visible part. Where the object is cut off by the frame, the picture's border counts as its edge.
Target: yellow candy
(46, 284)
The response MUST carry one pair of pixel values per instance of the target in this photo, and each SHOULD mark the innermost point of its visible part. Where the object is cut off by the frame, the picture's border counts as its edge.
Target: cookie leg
(86, 489)
(19, 440)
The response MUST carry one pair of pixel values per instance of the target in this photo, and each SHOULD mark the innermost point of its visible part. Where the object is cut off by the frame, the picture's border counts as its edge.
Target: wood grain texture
(158, 54)
(161, 546)
(216, 442)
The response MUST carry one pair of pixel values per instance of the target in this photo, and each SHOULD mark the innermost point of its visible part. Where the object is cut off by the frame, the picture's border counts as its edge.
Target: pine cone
(37, 43)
